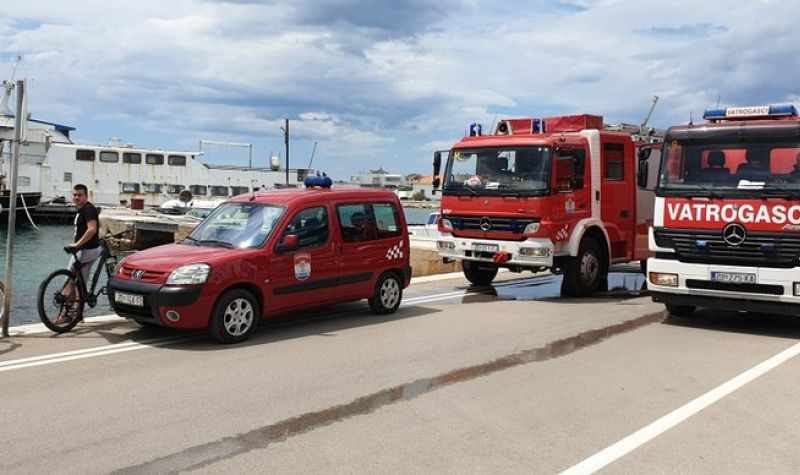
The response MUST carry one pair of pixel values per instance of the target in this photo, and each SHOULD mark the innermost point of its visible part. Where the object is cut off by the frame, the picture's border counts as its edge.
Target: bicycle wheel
(57, 310)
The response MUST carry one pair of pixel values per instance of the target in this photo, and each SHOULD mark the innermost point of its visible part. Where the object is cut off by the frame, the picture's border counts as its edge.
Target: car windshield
(237, 225)
(499, 170)
(708, 167)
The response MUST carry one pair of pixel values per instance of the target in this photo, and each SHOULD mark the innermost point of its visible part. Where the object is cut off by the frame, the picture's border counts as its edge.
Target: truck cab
(727, 213)
(559, 193)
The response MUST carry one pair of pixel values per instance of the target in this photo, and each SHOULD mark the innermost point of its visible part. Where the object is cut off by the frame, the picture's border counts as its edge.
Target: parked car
(262, 254)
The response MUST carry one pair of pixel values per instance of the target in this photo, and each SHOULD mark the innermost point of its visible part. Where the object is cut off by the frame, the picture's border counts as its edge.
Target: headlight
(118, 267)
(445, 245)
(660, 278)
(532, 228)
(191, 274)
(534, 251)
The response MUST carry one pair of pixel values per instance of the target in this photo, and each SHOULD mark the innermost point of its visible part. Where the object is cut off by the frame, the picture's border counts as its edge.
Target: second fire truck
(563, 193)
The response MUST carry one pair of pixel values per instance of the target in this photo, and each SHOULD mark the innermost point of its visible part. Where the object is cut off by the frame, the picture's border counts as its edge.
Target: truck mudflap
(722, 303)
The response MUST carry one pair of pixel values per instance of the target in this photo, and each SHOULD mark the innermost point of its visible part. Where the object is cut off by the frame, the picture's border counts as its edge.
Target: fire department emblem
(302, 266)
(395, 252)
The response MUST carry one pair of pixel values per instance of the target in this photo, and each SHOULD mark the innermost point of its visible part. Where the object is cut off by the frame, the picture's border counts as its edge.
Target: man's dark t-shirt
(87, 213)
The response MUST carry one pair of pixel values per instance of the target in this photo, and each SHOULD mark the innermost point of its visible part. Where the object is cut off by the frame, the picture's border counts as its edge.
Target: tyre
(387, 294)
(584, 272)
(479, 273)
(57, 310)
(235, 317)
(680, 310)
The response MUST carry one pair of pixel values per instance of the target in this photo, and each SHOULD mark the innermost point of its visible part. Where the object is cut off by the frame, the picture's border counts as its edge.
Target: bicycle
(52, 300)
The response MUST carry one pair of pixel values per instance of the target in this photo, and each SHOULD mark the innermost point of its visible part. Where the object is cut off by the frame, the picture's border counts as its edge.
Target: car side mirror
(644, 168)
(289, 243)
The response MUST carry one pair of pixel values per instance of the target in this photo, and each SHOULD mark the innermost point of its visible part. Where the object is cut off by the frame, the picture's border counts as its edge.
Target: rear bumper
(189, 302)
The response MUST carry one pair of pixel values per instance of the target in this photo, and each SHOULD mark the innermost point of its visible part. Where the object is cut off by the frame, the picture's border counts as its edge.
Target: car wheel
(235, 317)
(387, 294)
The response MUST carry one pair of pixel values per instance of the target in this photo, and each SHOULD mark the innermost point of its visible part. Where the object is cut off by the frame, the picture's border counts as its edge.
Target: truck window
(310, 226)
(613, 161)
(570, 165)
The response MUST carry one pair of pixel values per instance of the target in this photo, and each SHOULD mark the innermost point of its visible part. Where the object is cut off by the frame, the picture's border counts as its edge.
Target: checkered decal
(562, 233)
(395, 252)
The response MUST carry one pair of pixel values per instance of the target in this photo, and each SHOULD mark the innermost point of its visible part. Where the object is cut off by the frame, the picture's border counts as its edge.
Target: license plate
(129, 299)
(733, 277)
(485, 247)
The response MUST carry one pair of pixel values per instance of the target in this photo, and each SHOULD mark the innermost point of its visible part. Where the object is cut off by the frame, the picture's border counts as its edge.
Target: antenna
(313, 150)
(649, 113)
(718, 97)
(8, 86)
(691, 121)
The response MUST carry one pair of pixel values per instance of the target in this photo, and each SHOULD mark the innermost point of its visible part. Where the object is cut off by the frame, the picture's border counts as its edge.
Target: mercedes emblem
(486, 224)
(734, 234)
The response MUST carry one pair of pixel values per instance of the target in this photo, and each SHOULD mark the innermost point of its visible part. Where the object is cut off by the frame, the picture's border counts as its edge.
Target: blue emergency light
(319, 181)
(751, 112)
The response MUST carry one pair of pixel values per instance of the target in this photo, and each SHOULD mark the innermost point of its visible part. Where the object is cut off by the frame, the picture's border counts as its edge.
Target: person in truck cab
(716, 171)
(753, 169)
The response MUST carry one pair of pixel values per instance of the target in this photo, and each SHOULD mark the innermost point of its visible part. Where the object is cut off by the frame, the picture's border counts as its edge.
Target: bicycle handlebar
(72, 250)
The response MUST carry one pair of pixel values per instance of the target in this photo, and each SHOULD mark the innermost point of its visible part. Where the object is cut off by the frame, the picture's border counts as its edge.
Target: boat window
(129, 187)
(109, 157)
(239, 190)
(84, 155)
(175, 189)
(67, 176)
(154, 159)
(152, 188)
(133, 158)
(219, 191)
(177, 160)
(199, 190)
(23, 180)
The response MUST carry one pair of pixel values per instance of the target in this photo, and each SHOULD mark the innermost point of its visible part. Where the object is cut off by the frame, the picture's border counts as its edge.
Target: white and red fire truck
(727, 213)
(558, 192)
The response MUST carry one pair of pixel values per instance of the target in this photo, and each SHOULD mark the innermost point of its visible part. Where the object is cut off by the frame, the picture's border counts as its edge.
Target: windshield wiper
(710, 191)
(794, 194)
(468, 188)
(194, 240)
(224, 244)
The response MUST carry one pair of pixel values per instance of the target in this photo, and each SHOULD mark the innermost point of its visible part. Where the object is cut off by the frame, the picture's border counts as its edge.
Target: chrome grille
(708, 247)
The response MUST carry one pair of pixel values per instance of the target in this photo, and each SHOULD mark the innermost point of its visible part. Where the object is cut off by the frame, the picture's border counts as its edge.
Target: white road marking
(653, 430)
(156, 342)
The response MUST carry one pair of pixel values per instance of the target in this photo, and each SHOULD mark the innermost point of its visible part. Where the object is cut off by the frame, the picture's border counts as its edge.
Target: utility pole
(286, 140)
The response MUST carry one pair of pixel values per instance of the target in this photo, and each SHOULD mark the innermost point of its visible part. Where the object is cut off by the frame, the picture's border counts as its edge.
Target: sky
(384, 83)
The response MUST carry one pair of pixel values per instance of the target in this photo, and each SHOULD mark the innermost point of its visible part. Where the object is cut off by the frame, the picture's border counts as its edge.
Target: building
(379, 178)
(424, 185)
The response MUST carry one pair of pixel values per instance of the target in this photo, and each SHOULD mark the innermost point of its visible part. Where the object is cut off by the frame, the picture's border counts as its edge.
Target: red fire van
(266, 253)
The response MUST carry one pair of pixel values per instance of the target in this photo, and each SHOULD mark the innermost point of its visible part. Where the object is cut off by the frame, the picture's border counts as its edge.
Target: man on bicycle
(87, 243)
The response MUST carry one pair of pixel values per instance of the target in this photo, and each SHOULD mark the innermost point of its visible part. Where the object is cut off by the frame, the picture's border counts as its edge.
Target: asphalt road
(502, 380)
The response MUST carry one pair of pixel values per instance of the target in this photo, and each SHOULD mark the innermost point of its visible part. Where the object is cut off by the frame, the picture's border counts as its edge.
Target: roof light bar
(751, 112)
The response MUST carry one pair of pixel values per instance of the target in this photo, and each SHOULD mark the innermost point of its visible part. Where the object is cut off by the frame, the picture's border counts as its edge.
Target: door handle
(597, 195)
(624, 213)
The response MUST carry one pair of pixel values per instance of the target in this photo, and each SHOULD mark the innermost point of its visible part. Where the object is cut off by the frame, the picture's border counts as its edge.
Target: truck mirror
(643, 173)
(436, 182)
(289, 243)
(644, 153)
(437, 163)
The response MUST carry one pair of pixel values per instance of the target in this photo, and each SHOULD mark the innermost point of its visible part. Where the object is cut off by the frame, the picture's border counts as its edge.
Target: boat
(117, 173)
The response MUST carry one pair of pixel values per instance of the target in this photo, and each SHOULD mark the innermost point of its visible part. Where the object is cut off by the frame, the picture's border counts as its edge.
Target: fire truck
(563, 193)
(727, 213)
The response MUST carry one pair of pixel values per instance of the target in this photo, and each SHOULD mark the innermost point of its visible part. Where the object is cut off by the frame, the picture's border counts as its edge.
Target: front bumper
(189, 302)
(772, 292)
(465, 249)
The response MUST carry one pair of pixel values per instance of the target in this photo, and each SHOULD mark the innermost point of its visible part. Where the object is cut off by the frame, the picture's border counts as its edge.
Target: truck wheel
(235, 317)
(387, 295)
(680, 310)
(583, 273)
(479, 273)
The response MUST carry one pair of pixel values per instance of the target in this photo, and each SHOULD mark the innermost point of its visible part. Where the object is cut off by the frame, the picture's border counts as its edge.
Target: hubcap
(590, 267)
(238, 317)
(390, 293)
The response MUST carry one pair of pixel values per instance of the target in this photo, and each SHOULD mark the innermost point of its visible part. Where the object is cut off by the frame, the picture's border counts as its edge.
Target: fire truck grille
(708, 247)
(495, 224)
